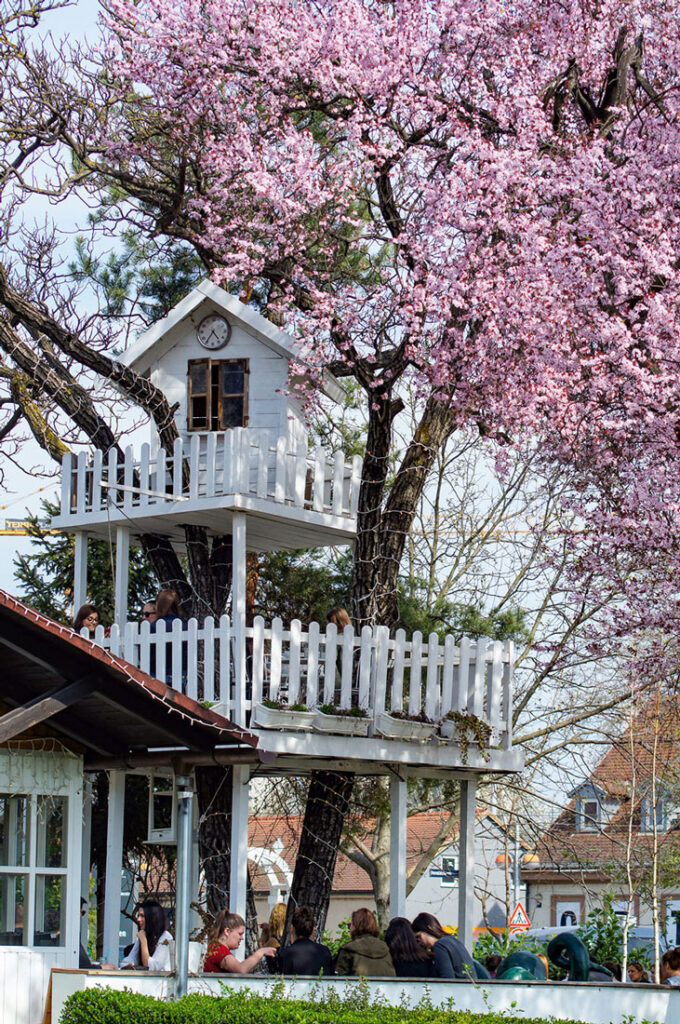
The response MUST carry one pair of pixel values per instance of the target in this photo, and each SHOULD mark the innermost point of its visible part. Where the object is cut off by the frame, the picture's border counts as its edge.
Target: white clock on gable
(223, 365)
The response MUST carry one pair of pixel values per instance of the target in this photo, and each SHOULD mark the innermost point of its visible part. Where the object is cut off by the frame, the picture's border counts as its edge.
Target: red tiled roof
(265, 830)
(574, 851)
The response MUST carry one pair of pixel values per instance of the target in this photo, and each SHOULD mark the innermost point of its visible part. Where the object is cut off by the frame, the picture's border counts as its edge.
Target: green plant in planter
(280, 705)
(470, 729)
(332, 709)
(405, 716)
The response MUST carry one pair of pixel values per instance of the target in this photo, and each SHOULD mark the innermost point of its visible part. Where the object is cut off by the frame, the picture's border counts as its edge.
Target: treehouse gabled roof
(138, 355)
(55, 682)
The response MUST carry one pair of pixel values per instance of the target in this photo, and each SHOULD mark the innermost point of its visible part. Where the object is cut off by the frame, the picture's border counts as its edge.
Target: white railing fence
(237, 666)
(238, 461)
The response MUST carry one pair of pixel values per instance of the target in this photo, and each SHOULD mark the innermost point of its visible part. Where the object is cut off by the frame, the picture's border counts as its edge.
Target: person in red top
(228, 932)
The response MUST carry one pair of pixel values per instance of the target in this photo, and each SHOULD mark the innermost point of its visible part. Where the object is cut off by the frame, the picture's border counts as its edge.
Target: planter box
(403, 728)
(448, 730)
(346, 725)
(277, 718)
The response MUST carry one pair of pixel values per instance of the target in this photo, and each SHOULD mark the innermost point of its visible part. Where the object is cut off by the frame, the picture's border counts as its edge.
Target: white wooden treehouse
(243, 465)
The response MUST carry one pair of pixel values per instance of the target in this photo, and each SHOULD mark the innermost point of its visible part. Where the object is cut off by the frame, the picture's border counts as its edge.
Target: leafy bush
(602, 934)
(104, 1006)
(340, 938)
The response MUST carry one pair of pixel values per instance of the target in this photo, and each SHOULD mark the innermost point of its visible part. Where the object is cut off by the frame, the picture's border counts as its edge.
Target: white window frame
(57, 775)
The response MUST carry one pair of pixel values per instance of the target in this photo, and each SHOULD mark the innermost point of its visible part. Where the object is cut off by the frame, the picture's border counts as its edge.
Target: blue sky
(76, 22)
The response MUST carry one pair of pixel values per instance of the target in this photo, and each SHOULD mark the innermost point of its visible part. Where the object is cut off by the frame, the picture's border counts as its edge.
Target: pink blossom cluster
(494, 187)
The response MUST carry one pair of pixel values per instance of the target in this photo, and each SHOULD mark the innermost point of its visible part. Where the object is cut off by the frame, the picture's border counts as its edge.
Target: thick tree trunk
(367, 546)
(213, 788)
(327, 802)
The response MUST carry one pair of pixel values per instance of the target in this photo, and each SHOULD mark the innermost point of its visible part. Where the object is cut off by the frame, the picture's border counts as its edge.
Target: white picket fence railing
(238, 461)
(238, 667)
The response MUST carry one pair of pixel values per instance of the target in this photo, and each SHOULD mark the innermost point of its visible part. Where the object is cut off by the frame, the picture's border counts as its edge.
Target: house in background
(273, 842)
(582, 856)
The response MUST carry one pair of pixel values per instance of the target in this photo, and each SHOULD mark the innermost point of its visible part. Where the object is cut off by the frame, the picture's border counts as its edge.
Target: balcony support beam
(466, 853)
(398, 826)
(79, 571)
(238, 872)
(114, 866)
(238, 603)
(122, 572)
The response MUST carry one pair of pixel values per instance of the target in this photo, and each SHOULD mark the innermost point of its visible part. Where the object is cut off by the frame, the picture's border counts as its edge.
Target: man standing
(304, 956)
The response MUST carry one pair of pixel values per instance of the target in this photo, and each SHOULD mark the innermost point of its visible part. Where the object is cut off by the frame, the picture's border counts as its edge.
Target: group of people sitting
(164, 607)
(421, 948)
(410, 949)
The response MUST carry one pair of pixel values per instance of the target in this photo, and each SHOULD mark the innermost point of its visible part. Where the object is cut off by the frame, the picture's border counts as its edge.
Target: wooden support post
(114, 865)
(466, 854)
(86, 855)
(398, 828)
(185, 796)
(238, 600)
(79, 571)
(239, 839)
(74, 862)
(122, 571)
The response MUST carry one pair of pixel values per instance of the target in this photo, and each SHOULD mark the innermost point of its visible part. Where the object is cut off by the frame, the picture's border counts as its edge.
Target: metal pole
(185, 797)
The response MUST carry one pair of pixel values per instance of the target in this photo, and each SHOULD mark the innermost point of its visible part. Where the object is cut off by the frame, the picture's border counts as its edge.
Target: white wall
(268, 408)
(593, 1004)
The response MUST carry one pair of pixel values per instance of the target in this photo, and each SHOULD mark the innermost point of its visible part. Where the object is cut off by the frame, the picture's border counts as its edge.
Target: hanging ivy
(470, 729)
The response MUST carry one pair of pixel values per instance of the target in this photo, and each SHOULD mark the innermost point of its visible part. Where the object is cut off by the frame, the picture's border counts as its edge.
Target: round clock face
(213, 331)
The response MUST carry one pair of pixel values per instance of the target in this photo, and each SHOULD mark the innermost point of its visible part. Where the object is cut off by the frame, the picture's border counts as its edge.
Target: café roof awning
(55, 680)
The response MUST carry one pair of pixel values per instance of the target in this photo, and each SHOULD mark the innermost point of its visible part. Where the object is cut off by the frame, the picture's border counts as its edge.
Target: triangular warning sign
(519, 919)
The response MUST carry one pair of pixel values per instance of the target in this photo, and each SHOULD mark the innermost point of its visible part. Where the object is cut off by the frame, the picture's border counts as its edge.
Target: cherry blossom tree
(475, 201)
(481, 198)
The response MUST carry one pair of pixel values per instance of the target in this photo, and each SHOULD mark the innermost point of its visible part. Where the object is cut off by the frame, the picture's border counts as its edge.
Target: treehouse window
(218, 394)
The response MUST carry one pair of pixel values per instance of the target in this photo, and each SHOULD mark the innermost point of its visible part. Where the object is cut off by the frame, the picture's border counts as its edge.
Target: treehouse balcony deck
(293, 497)
(465, 690)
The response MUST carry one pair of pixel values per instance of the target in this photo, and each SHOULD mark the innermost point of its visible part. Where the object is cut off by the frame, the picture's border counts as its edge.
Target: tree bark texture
(327, 803)
(213, 790)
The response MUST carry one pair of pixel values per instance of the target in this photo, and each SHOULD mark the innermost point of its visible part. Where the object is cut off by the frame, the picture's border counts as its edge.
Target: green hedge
(105, 1006)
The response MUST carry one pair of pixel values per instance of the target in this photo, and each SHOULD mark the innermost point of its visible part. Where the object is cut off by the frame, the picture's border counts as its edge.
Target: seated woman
(409, 957)
(87, 617)
(153, 946)
(227, 935)
(366, 955)
(277, 920)
(451, 958)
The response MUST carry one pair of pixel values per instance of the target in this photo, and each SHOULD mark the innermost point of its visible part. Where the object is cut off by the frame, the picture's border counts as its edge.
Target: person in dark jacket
(366, 955)
(168, 612)
(410, 959)
(304, 956)
(451, 958)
